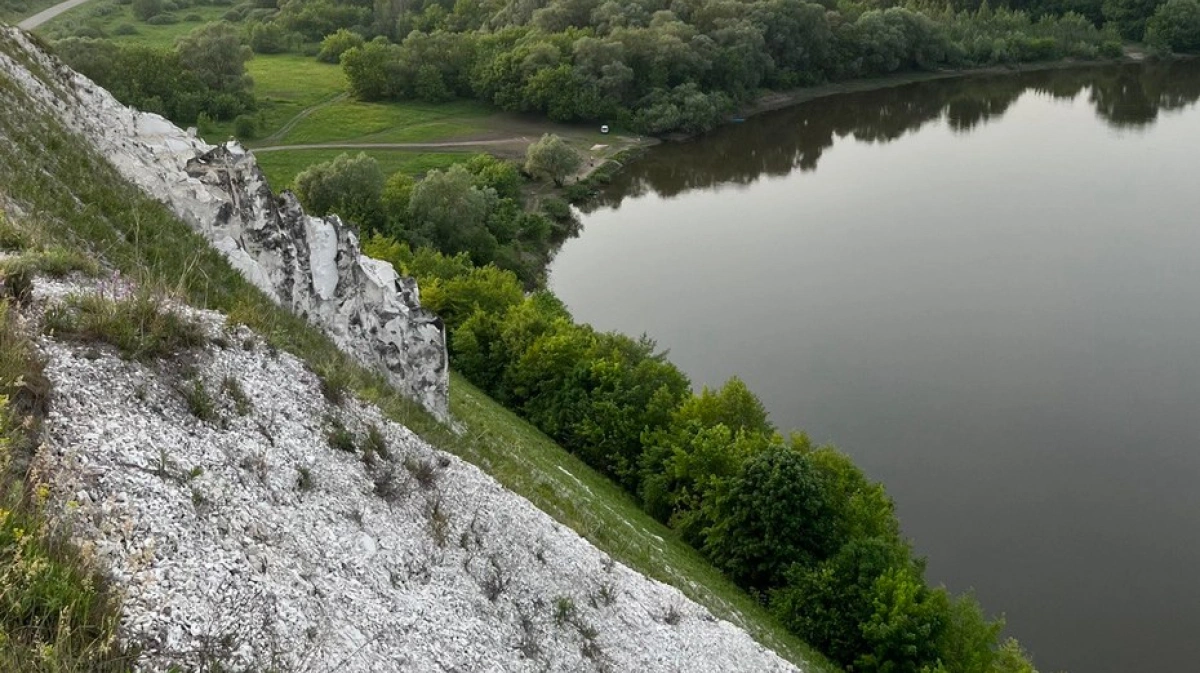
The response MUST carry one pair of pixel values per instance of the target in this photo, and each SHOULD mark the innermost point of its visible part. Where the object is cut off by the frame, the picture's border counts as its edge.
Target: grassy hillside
(68, 195)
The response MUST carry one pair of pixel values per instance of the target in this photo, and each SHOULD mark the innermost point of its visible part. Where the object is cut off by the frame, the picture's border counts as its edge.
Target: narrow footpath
(47, 14)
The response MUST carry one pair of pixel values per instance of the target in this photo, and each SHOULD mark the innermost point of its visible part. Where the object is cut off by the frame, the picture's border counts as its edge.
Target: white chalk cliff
(245, 539)
(312, 265)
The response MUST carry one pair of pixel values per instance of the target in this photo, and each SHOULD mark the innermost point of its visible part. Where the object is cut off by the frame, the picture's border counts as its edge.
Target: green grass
(139, 326)
(49, 172)
(55, 613)
(356, 121)
(282, 166)
(105, 15)
(285, 85)
(533, 465)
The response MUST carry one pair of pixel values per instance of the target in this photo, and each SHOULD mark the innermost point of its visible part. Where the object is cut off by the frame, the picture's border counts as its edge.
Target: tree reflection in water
(777, 143)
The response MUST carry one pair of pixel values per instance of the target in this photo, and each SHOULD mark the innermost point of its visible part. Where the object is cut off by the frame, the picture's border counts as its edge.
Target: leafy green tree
(349, 186)
(314, 19)
(394, 200)
(1175, 27)
(686, 469)
(366, 69)
(552, 158)
(447, 211)
(267, 38)
(829, 602)
(1129, 16)
(498, 174)
(968, 643)
(485, 289)
(338, 43)
(216, 54)
(778, 513)
(487, 347)
(863, 508)
(905, 626)
(1012, 658)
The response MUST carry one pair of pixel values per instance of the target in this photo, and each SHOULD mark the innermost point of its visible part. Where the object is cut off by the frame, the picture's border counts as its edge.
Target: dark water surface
(987, 291)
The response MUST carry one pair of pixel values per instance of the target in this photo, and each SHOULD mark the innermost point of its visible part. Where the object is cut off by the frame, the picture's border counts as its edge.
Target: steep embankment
(243, 505)
(311, 265)
(252, 523)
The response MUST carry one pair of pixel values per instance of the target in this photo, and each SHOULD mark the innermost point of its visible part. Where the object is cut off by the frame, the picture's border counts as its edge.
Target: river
(987, 291)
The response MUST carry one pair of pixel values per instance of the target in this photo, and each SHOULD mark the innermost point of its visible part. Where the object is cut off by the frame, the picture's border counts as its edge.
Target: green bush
(147, 9)
(245, 126)
(165, 19)
(1175, 27)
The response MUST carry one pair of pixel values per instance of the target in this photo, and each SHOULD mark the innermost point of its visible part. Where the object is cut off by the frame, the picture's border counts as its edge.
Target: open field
(303, 101)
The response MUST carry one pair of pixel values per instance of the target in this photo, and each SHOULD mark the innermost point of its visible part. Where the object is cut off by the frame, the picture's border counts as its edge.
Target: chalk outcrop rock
(248, 541)
(312, 265)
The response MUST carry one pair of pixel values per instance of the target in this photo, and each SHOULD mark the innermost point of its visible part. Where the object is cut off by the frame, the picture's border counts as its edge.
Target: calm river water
(987, 291)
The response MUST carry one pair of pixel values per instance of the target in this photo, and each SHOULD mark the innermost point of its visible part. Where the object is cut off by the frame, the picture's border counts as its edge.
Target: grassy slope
(45, 169)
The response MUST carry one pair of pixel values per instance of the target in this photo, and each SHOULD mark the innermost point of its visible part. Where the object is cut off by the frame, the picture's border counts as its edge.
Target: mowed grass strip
(282, 167)
(405, 122)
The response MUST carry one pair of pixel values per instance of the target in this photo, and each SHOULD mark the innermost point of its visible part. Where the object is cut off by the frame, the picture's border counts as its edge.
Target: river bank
(603, 172)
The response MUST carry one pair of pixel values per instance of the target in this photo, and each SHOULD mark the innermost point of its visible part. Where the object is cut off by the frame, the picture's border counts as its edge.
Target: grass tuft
(339, 436)
(139, 326)
(233, 389)
(200, 402)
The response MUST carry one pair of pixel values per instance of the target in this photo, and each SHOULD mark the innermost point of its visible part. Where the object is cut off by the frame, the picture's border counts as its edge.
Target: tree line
(798, 525)
(679, 66)
(476, 207)
(202, 77)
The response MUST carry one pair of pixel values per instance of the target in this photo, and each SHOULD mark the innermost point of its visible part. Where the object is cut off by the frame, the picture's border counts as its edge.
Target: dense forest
(650, 65)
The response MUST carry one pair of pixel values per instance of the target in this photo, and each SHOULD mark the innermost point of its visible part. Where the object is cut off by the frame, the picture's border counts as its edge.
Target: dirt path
(291, 123)
(47, 14)
(522, 140)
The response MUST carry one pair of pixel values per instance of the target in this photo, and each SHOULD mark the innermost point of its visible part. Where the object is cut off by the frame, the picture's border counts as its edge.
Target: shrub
(268, 38)
(245, 126)
(147, 9)
(338, 43)
(424, 470)
(241, 402)
(163, 20)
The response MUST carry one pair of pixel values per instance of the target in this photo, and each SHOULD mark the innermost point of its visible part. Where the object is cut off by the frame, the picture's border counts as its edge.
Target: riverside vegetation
(56, 615)
(709, 465)
(655, 67)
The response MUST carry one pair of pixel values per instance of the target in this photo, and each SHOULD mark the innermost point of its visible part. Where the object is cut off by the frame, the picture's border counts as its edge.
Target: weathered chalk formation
(312, 265)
